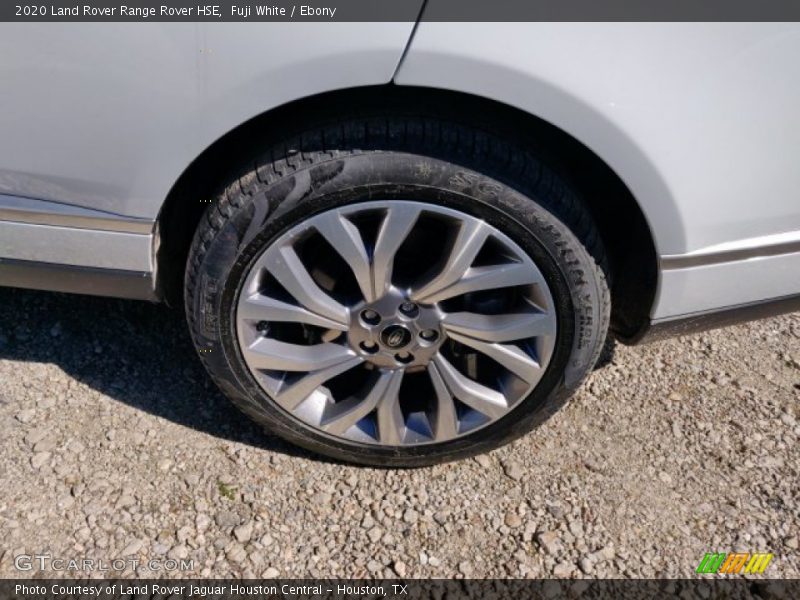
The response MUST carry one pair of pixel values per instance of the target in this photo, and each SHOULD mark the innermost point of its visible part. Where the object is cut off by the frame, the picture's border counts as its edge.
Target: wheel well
(622, 225)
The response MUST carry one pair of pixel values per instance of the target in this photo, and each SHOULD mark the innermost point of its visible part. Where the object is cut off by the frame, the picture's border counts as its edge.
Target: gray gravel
(114, 443)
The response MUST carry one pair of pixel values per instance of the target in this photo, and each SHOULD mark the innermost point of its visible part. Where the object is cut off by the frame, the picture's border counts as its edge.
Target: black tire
(412, 158)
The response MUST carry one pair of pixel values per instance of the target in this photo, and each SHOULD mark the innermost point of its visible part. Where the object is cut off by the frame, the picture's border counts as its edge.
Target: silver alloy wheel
(395, 323)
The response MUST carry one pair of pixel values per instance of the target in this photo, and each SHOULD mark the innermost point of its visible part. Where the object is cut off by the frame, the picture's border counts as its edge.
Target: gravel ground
(114, 443)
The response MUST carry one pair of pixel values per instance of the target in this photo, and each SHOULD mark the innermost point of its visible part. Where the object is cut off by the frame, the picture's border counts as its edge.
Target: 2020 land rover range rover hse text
(401, 249)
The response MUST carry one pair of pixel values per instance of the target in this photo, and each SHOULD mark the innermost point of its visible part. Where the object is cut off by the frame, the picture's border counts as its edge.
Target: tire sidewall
(274, 208)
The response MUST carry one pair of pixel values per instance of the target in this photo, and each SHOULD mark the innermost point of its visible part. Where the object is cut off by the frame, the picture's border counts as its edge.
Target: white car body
(700, 121)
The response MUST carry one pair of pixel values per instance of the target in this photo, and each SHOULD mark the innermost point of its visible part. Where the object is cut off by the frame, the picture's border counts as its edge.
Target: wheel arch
(628, 238)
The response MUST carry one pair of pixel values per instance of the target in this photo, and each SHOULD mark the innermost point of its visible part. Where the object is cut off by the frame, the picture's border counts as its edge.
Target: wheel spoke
(394, 229)
(490, 277)
(258, 307)
(478, 397)
(292, 395)
(391, 424)
(345, 238)
(500, 328)
(291, 273)
(268, 353)
(513, 358)
(445, 420)
(469, 241)
(341, 416)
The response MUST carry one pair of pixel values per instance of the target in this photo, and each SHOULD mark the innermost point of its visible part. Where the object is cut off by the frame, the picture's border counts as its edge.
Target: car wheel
(397, 291)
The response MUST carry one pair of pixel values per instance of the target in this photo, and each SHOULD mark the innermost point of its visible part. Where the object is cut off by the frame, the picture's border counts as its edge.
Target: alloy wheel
(395, 323)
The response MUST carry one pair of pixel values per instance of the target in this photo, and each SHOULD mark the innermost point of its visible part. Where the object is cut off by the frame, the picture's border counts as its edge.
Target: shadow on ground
(135, 352)
(607, 353)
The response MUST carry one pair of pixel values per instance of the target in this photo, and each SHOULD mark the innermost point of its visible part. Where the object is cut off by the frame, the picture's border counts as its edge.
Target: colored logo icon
(731, 564)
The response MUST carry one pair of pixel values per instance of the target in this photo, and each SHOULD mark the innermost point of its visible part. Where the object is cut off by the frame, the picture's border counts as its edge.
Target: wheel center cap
(396, 337)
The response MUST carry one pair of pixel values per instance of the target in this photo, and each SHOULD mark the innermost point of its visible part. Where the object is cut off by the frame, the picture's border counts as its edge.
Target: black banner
(399, 10)
(330, 589)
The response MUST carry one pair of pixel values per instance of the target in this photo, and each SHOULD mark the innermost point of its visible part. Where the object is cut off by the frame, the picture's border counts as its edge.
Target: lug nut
(429, 335)
(370, 317)
(369, 347)
(409, 309)
(404, 357)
